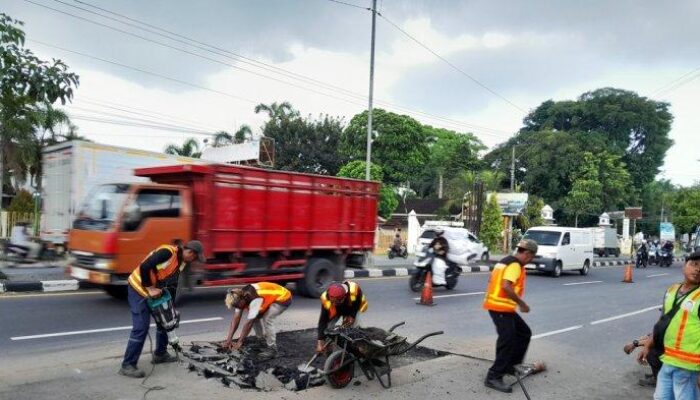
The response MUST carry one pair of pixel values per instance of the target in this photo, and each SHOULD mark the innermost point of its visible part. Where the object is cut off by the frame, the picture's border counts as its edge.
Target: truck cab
(119, 224)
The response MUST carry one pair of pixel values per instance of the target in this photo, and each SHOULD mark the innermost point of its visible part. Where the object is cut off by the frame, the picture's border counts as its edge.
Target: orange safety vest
(495, 299)
(353, 290)
(271, 293)
(163, 270)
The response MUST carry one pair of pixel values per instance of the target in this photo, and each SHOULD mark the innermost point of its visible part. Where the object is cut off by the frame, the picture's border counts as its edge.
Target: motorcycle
(665, 258)
(402, 252)
(424, 264)
(19, 254)
(641, 258)
(653, 257)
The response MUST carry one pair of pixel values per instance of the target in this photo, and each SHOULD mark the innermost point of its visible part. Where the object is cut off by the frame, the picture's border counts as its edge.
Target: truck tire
(320, 272)
(586, 268)
(116, 291)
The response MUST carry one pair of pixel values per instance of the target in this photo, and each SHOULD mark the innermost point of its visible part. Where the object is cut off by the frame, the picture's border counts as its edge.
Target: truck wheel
(557, 270)
(586, 268)
(320, 272)
(116, 291)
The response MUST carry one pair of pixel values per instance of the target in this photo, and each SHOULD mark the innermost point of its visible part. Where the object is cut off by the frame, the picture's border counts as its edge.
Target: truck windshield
(100, 207)
(543, 238)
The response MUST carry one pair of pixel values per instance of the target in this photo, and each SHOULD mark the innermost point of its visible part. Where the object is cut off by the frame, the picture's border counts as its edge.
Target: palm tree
(190, 148)
(243, 133)
(277, 110)
(223, 138)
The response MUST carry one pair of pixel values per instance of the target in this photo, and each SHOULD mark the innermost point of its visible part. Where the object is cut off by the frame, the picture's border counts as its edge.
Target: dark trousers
(513, 340)
(141, 319)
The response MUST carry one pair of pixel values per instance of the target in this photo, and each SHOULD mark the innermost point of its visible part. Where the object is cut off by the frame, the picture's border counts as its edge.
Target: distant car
(460, 240)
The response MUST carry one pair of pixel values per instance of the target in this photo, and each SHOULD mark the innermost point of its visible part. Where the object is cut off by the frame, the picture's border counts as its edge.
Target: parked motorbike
(424, 264)
(402, 252)
(641, 260)
(665, 258)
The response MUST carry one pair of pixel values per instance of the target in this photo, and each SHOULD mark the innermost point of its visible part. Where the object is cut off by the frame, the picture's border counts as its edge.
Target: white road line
(655, 275)
(454, 295)
(581, 283)
(116, 328)
(600, 321)
(569, 329)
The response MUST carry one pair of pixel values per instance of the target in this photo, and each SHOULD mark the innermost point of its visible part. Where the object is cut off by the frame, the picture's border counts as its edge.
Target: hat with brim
(196, 246)
(528, 244)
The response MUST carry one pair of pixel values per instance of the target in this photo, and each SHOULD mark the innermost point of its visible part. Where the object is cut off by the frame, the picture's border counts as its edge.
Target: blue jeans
(675, 383)
(141, 319)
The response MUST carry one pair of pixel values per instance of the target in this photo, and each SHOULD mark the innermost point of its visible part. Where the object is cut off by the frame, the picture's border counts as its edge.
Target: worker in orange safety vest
(341, 300)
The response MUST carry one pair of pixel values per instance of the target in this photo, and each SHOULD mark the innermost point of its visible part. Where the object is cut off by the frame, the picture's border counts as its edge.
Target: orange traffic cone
(628, 274)
(426, 296)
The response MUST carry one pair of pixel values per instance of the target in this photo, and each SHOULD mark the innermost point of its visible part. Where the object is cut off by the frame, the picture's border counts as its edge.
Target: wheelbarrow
(370, 354)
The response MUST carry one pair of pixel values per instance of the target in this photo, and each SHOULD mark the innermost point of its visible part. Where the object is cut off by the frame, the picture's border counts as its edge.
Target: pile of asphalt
(247, 370)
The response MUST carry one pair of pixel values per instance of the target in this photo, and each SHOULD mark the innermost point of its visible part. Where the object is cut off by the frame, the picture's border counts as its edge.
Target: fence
(9, 219)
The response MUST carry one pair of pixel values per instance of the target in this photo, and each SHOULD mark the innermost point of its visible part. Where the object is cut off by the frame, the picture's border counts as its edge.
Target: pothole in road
(245, 369)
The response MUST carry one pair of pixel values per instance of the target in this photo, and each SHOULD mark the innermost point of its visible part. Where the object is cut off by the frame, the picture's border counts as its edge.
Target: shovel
(307, 367)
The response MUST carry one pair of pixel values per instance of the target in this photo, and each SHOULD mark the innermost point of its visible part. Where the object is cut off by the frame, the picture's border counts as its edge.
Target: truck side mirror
(132, 217)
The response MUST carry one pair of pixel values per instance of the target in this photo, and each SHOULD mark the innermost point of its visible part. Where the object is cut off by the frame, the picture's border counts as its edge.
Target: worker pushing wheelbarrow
(369, 348)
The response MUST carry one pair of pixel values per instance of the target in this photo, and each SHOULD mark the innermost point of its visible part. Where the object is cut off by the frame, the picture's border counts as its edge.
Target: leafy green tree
(189, 148)
(303, 144)
(23, 202)
(532, 214)
(685, 206)
(400, 145)
(586, 192)
(26, 84)
(387, 197)
(491, 224)
(655, 197)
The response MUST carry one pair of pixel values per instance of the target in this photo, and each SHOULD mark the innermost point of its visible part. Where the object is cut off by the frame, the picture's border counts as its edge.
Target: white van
(561, 249)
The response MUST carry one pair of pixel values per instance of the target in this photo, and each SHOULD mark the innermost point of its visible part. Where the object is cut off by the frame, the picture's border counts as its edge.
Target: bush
(491, 224)
(23, 202)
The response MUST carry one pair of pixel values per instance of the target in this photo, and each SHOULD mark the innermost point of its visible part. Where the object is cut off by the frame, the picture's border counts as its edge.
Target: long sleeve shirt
(345, 309)
(151, 263)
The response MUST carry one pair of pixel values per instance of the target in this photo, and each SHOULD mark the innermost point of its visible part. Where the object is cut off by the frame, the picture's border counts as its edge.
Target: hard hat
(336, 292)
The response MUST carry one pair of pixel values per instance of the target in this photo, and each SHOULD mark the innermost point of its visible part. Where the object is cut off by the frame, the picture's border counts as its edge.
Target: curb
(73, 284)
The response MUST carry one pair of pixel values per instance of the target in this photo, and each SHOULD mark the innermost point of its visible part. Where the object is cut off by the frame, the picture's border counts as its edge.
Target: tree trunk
(576, 224)
(2, 171)
(440, 187)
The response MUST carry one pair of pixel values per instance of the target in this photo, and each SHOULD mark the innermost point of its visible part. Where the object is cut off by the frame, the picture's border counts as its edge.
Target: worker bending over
(264, 302)
(339, 300)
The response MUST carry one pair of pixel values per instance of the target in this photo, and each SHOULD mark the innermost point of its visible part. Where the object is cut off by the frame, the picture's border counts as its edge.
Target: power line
(484, 130)
(143, 120)
(676, 83)
(349, 4)
(453, 66)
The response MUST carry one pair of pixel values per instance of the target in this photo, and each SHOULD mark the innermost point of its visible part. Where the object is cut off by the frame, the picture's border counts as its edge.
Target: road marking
(116, 328)
(581, 283)
(454, 295)
(655, 275)
(569, 329)
(10, 295)
(600, 321)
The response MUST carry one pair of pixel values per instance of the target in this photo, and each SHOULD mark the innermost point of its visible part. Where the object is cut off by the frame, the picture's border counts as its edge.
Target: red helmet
(336, 292)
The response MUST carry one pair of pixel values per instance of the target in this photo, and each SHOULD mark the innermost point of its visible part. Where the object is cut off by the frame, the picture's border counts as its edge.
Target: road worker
(503, 295)
(264, 302)
(344, 300)
(677, 336)
(160, 269)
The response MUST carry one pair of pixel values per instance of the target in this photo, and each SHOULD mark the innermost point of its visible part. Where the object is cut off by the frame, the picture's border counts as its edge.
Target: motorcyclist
(398, 243)
(643, 253)
(21, 238)
(440, 248)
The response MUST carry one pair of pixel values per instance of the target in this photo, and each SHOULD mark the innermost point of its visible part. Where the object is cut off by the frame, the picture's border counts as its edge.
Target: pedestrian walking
(504, 294)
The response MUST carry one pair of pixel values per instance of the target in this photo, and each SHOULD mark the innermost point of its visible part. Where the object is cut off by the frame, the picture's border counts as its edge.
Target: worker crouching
(264, 302)
(344, 300)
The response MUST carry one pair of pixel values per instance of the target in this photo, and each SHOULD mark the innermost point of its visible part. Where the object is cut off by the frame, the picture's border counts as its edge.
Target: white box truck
(72, 169)
(605, 241)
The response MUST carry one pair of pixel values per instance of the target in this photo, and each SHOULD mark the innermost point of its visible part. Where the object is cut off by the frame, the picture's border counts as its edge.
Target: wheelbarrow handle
(422, 338)
(396, 326)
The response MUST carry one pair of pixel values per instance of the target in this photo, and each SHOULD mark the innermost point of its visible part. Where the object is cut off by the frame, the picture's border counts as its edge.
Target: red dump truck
(255, 224)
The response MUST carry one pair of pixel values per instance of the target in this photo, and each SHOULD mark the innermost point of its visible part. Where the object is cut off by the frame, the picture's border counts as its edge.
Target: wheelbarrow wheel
(342, 377)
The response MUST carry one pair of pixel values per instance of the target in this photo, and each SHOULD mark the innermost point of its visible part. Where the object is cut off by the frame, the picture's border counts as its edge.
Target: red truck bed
(244, 209)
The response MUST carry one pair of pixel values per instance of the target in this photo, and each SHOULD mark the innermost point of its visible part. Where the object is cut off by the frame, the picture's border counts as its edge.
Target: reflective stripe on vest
(495, 298)
(682, 338)
(353, 290)
(271, 293)
(163, 270)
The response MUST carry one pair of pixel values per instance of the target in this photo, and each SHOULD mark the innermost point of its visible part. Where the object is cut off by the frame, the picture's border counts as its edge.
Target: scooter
(665, 258)
(20, 254)
(402, 252)
(653, 258)
(424, 264)
(641, 259)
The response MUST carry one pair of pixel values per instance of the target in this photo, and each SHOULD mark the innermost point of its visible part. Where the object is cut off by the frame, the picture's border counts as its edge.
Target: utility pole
(371, 90)
(512, 170)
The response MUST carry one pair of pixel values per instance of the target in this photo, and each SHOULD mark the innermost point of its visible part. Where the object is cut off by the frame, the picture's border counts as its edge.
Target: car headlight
(104, 264)
(551, 255)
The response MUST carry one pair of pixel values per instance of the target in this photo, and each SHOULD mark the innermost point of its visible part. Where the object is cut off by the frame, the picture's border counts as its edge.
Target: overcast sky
(316, 55)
